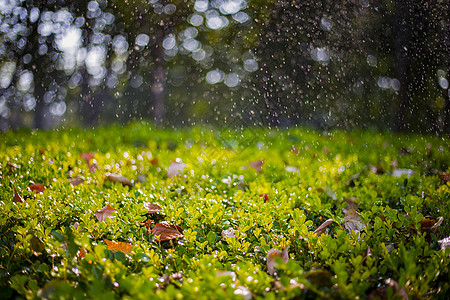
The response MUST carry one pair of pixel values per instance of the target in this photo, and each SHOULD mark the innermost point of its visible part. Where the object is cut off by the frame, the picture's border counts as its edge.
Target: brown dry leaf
(119, 178)
(350, 204)
(265, 196)
(75, 181)
(118, 246)
(352, 221)
(431, 225)
(445, 177)
(148, 224)
(176, 167)
(272, 254)
(154, 161)
(257, 165)
(152, 207)
(166, 231)
(17, 197)
(321, 229)
(87, 156)
(37, 187)
(104, 213)
(229, 233)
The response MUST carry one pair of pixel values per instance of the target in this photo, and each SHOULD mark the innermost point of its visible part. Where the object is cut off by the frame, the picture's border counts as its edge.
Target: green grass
(396, 253)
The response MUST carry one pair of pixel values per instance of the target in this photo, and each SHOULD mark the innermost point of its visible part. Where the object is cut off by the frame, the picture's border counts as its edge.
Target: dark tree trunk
(158, 89)
(401, 44)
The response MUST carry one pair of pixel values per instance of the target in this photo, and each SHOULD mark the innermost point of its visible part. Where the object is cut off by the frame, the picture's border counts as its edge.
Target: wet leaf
(444, 177)
(257, 165)
(229, 233)
(166, 231)
(17, 197)
(271, 258)
(118, 246)
(445, 243)
(352, 221)
(75, 181)
(176, 167)
(152, 207)
(322, 228)
(37, 187)
(120, 179)
(104, 213)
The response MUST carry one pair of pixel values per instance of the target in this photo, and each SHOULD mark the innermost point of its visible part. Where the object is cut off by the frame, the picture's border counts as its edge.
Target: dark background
(326, 64)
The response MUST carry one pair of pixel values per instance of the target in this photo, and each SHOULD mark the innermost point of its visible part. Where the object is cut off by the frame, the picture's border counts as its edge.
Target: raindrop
(372, 60)
(201, 5)
(326, 24)
(195, 20)
(232, 80)
(142, 40)
(443, 83)
(214, 76)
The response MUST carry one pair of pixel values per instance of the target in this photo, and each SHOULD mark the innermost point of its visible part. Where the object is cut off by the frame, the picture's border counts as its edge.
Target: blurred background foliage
(327, 64)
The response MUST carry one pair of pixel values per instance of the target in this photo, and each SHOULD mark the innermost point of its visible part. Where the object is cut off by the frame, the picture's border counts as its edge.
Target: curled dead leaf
(118, 246)
(37, 187)
(271, 258)
(176, 167)
(229, 233)
(322, 228)
(148, 224)
(104, 213)
(152, 207)
(119, 178)
(166, 231)
(352, 221)
(17, 197)
(76, 181)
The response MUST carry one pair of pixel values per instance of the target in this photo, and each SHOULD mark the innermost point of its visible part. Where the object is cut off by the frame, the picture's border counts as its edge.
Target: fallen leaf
(87, 156)
(118, 246)
(152, 207)
(119, 178)
(229, 233)
(445, 177)
(176, 167)
(350, 204)
(266, 197)
(352, 221)
(445, 243)
(17, 197)
(141, 178)
(166, 231)
(75, 181)
(148, 224)
(322, 228)
(271, 256)
(37, 187)
(104, 213)
(257, 165)
(154, 161)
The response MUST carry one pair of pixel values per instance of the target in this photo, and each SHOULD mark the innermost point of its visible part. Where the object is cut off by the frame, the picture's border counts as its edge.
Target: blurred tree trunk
(401, 67)
(158, 89)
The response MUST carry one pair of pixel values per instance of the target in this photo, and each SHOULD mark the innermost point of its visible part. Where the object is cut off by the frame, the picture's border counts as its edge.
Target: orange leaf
(166, 231)
(152, 207)
(445, 177)
(37, 187)
(75, 181)
(104, 213)
(119, 178)
(176, 167)
(118, 246)
(17, 197)
(148, 224)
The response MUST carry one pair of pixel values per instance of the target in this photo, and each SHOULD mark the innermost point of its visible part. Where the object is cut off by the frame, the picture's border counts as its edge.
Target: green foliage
(42, 253)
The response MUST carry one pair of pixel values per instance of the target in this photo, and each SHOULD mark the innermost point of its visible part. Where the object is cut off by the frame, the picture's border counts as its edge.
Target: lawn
(137, 212)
